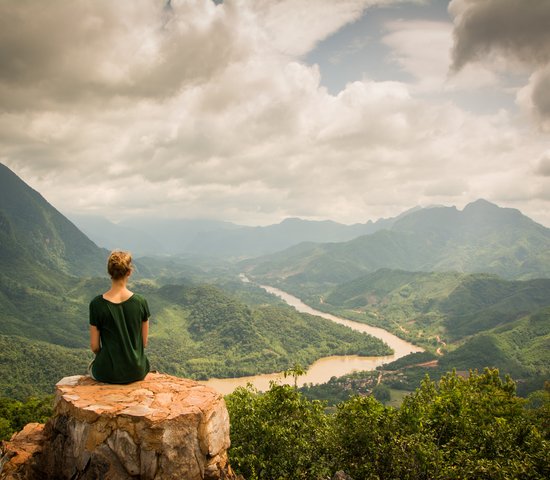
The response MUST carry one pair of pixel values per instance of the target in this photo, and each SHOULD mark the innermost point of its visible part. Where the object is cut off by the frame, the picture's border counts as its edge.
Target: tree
(277, 434)
(382, 393)
(478, 425)
(295, 371)
(456, 428)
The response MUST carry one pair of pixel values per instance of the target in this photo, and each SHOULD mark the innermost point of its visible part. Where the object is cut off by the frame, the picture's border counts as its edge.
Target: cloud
(507, 33)
(534, 97)
(543, 166)
(420, 48)
(309, 23)
(82, 51)
(204, 110)
(423, 48)
(509, 27)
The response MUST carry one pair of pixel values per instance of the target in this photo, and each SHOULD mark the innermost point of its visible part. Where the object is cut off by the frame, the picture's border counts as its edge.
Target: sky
(255, 111)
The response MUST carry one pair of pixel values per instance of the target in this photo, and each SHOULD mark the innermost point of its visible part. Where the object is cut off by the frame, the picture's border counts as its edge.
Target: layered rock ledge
(163, 427)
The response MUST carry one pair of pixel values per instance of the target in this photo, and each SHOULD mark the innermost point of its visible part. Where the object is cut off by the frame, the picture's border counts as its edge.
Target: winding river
(325, 368)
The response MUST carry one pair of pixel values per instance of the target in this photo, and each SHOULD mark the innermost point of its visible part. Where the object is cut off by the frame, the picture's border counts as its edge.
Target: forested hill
(37, 243)
(481, 238)
(449, 303)
(472, 320)
(197, 331)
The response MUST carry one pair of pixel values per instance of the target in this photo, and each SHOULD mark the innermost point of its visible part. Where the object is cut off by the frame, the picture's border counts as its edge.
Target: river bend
(327, 367)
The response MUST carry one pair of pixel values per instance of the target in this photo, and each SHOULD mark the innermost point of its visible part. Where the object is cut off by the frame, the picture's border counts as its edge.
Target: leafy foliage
(278, 434)
(31, 368)
(14, 414)
(461, 428)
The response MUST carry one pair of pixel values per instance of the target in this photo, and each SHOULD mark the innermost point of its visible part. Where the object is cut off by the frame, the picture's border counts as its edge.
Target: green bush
(278, 434)
(14, 415)
(457, 428)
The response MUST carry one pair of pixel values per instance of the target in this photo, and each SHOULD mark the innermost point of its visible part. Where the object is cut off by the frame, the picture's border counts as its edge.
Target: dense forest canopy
(455, 428)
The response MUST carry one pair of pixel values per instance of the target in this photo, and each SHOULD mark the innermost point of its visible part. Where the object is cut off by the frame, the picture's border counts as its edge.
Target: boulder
(20, 454)
(162, 427)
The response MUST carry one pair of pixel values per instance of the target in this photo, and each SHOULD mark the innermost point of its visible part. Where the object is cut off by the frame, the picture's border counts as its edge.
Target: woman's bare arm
(95, 343)
(145, 332)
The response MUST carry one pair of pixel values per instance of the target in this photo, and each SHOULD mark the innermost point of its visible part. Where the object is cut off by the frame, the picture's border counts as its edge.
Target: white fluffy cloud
(204, 110)
(423, 48)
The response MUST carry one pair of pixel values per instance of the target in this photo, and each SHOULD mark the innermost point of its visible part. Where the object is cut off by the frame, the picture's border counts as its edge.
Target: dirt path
(443, 344)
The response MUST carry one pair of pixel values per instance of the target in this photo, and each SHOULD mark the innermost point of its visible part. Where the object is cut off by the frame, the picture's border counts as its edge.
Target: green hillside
(49, 273)
(200, 332)
(474, 320)
(197, 331)
(37, 243)
(482, 238)
(520, 348)
(422, 306)
(32, 367)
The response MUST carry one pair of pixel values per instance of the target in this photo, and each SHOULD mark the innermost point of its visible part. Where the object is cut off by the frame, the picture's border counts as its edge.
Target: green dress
(122, 357)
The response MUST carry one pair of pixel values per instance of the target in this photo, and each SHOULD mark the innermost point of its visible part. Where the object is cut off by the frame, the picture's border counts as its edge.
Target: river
(325, 368)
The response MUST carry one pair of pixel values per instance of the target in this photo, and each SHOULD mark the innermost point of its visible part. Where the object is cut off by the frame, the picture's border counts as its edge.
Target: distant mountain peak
(481, 203)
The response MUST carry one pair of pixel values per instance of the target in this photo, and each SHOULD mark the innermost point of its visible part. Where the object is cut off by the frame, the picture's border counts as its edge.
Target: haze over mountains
(149, 236)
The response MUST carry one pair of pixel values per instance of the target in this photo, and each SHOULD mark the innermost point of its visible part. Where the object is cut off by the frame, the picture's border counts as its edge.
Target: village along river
(325, 368)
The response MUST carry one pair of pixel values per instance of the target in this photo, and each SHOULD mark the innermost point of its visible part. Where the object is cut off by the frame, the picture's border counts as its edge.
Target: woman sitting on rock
(119, 326)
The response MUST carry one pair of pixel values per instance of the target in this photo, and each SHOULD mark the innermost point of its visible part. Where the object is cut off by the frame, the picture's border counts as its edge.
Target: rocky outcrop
(20, 454)
(160, 428)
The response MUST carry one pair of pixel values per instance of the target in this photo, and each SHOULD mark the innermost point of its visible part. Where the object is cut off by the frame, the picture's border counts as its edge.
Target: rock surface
(163, 427)
(20, 454)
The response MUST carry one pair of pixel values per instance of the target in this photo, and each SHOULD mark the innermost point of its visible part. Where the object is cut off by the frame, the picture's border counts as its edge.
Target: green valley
(50, 271)
(197, 331)
(470, 321)
(208, 323)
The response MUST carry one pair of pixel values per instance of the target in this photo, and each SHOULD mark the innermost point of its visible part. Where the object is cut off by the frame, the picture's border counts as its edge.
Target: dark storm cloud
(60, 51)
(515, 28)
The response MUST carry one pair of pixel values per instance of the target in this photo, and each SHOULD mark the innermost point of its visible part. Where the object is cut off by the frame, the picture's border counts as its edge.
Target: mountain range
(153, 236)
(482, 237)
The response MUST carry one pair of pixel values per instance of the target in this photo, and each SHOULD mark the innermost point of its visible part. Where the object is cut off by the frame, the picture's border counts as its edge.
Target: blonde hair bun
(119, 264)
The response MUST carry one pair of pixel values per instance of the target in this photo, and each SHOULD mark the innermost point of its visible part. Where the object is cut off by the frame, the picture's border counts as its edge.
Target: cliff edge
(159, 428)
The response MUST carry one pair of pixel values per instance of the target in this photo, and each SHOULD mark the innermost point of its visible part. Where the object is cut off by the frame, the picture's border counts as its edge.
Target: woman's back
(118, 328)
